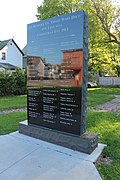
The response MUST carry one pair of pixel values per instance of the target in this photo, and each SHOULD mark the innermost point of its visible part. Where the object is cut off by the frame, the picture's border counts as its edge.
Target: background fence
(109, 81)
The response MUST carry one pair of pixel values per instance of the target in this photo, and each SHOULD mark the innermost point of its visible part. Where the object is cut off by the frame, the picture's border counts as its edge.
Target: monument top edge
(80, 12)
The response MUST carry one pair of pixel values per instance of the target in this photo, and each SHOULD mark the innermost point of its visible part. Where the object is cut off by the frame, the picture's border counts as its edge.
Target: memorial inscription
(57, 68)
(57, 109)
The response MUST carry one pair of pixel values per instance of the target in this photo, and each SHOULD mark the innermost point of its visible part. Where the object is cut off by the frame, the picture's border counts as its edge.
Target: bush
(12, 83)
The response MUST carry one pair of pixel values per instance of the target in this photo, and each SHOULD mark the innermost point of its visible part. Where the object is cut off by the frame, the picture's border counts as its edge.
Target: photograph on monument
(56, 73)
(67, 73)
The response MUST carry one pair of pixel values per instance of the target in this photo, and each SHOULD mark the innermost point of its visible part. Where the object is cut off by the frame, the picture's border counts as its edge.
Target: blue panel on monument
(57, 50)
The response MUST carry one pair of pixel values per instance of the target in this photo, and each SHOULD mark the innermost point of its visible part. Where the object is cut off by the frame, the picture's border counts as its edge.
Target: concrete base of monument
(85, 143)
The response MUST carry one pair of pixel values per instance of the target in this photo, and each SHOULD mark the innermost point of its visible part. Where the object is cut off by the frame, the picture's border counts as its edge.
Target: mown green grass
(13, 102)
(97, 99)
(97, 96)
(105, 90)
(9, 122)
(107, 126)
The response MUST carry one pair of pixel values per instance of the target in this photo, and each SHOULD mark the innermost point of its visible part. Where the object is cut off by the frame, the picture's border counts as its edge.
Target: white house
(10, 54)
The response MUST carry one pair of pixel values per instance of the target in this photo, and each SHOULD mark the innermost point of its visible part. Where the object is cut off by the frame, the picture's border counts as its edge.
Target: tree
(104, 32)
(51, 8)
(109, 17)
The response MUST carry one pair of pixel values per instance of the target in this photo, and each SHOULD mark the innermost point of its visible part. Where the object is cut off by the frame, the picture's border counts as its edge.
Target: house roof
(5, 42)
(7, 66)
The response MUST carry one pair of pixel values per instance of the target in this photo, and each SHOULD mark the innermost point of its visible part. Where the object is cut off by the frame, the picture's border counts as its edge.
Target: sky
(14, 17)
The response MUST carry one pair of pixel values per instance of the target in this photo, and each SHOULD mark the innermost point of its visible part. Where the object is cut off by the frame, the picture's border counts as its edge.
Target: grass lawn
(105, 90)
(107, 126)
(97, 99)
(97, 96)
(9, 122)
(13, 102)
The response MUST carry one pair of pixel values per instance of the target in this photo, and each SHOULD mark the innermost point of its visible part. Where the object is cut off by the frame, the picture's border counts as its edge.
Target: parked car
(91, 84)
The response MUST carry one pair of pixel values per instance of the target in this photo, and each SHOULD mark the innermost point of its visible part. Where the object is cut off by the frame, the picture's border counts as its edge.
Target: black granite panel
(55, 108)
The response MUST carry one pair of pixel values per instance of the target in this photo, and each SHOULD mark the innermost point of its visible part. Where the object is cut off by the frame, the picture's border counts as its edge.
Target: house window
(3, 56)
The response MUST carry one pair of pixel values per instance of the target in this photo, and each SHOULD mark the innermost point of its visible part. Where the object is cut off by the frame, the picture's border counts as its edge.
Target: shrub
(12, 83)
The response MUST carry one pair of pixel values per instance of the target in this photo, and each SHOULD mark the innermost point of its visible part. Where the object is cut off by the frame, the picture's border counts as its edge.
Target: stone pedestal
(85, 143)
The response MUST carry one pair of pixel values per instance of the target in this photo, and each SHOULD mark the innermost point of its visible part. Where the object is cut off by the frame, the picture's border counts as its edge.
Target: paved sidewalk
(23, 157)
(111, 106)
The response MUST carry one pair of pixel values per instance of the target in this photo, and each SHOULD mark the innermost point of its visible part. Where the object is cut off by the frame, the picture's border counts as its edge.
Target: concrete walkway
(26, 158)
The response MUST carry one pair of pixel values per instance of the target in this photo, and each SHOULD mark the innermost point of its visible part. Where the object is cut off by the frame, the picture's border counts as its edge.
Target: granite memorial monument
(57, 55)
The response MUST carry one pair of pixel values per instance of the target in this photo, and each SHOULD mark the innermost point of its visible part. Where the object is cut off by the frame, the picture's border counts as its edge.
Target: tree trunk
(118, 70)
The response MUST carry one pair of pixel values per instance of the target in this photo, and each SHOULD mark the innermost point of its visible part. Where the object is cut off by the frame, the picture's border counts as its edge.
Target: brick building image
(72, 65)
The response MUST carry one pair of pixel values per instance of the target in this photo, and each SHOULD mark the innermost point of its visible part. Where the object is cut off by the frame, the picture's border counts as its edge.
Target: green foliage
(51, 8)
(12, 83)
(105, 56)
